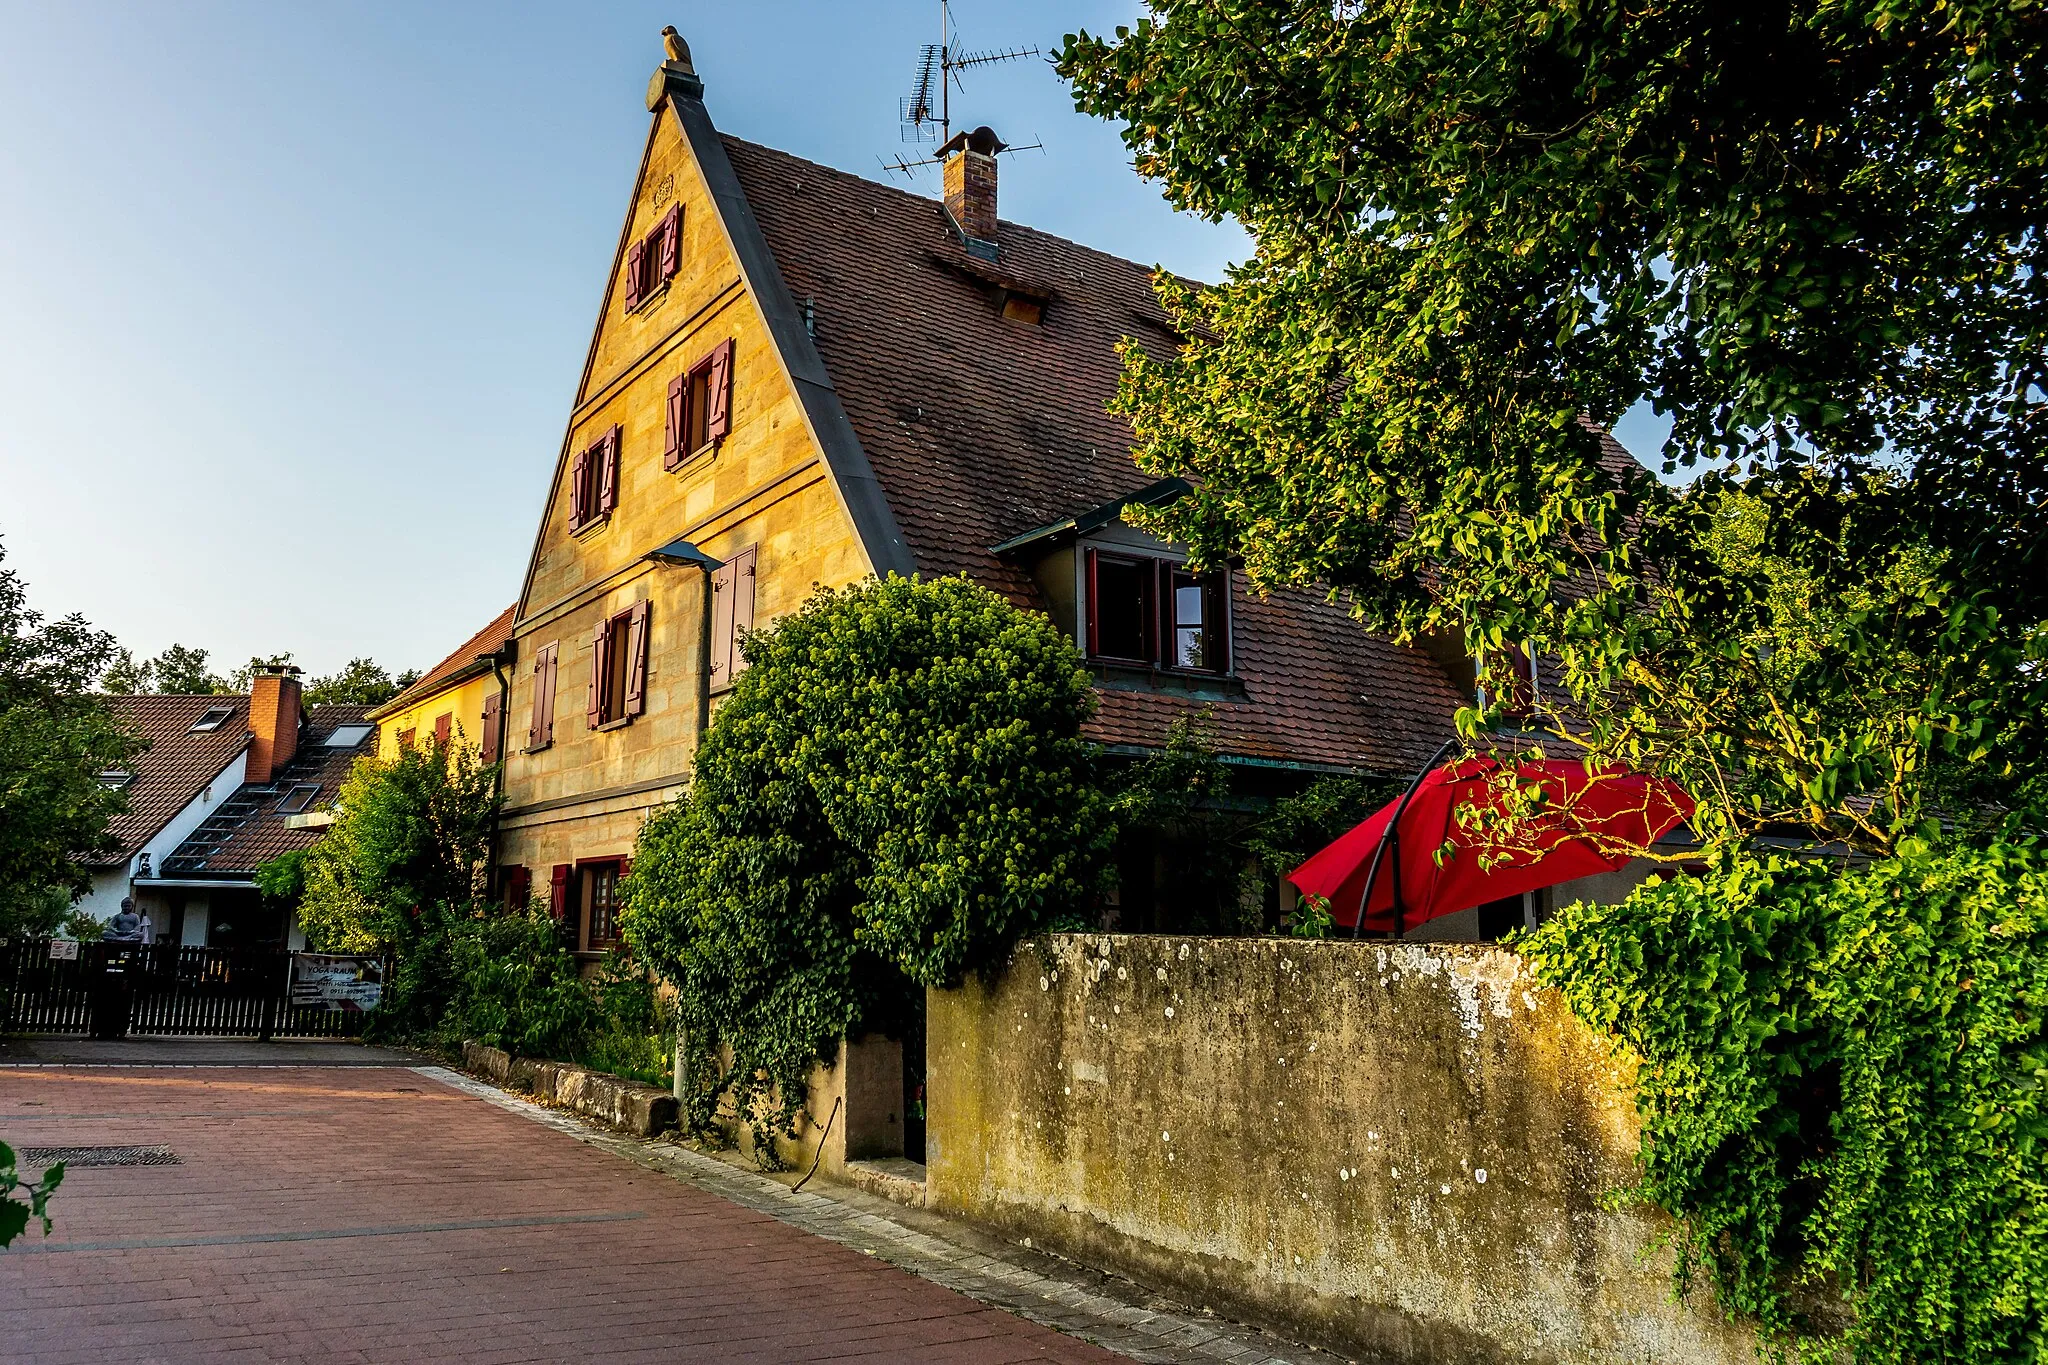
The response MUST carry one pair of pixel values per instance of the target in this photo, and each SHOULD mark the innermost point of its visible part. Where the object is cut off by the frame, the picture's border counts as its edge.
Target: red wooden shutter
(494, 706)
(635, 255)
(742, 606)
(608, 473)
(722, 579)
(579, 491)
(558, 898)
(444, 729)
(672, 451)
(517, 882)
(541, 732)
(719, 420)
(600, 645)
(671, 237)
(636, 662)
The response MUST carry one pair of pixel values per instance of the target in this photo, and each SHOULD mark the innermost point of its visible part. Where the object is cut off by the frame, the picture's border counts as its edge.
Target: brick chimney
(971, 183)
(274, 714)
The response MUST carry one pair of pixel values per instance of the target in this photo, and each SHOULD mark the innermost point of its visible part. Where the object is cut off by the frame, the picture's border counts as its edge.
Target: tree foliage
(179, 669)
(1843, 1075)
(895, 790)
(364, 682)
(33, 1201)
(1812, 235)
(56, 736)
(404, 863)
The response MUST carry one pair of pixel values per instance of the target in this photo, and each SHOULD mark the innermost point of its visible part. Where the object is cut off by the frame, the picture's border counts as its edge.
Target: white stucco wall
(109, 885)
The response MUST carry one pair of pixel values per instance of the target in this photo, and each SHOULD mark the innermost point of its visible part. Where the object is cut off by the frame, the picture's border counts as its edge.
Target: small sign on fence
(331, 981)
(63, 950)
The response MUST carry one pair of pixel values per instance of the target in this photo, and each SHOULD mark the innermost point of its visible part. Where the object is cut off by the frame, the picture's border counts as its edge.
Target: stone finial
(678, 50)
(677, 75)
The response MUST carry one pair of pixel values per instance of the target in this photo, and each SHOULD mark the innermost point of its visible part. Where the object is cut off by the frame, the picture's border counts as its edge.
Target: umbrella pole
(1393, 836)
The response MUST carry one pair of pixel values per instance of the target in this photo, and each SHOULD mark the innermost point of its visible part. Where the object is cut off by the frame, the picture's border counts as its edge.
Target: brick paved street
(327, 1213)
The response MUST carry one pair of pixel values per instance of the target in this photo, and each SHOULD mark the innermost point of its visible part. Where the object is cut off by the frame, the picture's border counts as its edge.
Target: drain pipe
(680, 553)
(497, 659)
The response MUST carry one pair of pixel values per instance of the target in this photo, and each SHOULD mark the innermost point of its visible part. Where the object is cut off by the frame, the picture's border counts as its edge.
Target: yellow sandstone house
(800, 378)
(459, 699)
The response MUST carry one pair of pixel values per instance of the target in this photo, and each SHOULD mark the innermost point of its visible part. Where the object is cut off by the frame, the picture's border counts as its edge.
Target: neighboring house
(459, 698)
(274, 795)
(801, 378)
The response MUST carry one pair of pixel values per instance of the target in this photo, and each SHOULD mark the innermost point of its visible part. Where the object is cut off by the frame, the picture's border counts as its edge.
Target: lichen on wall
(1402, 1149)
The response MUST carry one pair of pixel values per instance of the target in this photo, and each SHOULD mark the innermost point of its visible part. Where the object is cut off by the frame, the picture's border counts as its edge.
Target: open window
(618, 668)
(699, 407)
(1154, 613)
(653, 261)
(213, 719)
(594, 481)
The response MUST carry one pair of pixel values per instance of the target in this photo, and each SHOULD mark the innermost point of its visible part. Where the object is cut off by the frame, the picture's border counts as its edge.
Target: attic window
(215, 717)
(1155, 614)
(1023, 308)
(348, 736)
(296, 798)
(115, 778)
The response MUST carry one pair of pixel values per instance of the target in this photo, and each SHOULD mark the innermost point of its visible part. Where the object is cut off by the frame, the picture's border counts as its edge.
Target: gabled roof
(177, 765)
(249, 828)
(981, 430)
(460, 666)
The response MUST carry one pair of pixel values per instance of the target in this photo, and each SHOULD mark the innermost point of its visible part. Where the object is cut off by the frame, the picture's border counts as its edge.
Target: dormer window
(1154, 613)
(215, 717)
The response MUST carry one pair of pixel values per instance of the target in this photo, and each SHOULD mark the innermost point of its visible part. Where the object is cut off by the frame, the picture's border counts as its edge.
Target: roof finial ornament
(678, 50)
(676, 76)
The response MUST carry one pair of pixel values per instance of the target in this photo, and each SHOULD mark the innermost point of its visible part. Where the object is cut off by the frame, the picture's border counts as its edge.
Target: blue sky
(293, 298)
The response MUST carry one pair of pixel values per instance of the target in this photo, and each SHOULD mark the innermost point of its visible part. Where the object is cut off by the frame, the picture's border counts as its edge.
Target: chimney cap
(278, 671)
(982, 140)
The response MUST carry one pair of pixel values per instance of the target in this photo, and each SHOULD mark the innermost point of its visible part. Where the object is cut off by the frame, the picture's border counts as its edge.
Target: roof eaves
(852, 476)
(1095, 518)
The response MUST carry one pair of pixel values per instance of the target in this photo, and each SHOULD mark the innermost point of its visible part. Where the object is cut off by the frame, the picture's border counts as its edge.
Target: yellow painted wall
(586, 795)
(464, 700)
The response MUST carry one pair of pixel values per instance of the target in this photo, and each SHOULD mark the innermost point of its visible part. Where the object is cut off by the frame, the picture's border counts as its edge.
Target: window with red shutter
(444, 729)
(542, 731)
(722, 579)
(718, 415)
(670, 235)
(742, 606)
(635, 701)
(672, 450)
(516, 884)
(579, 488)
(608, 476)
(558, 892)
(489, 722)
(635, 255)
(600, 639)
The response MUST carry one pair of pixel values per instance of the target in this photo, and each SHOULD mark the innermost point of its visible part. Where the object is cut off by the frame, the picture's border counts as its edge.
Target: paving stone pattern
(338, 1213)
(1099, 1308)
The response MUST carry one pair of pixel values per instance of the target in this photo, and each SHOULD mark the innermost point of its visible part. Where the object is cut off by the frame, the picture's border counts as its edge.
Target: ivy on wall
(895, 791)
(1843, 1089)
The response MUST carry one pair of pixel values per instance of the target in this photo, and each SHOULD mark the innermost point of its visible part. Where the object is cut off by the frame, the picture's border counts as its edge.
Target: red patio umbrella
(1432, 864)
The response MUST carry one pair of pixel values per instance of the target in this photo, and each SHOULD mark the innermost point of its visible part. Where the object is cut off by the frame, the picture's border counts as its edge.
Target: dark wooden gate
(111, 990)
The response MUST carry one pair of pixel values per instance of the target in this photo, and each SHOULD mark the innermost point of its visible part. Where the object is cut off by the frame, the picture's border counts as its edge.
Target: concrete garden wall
(1398, 1149)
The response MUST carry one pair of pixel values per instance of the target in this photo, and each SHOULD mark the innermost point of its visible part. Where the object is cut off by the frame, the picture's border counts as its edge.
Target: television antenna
(926, 113)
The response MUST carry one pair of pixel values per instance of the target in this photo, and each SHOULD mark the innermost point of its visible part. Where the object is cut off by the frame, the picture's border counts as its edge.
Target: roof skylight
(299, 797)
(215, 717)
(348, 736)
